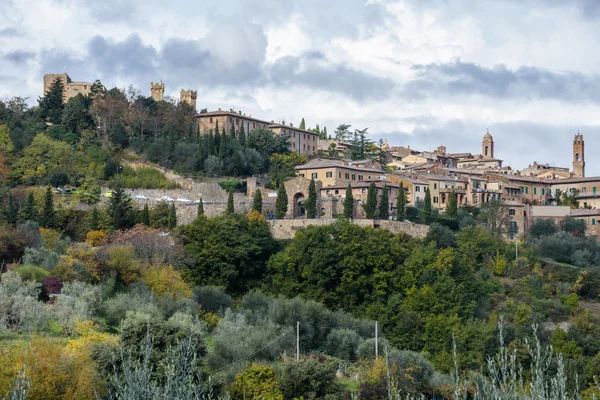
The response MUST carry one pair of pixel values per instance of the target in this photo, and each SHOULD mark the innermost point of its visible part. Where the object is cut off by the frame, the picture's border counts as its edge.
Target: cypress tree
(232, 132)
(51, 104)
(29, 212)
(48, 217)
(119, 209)
(222, 150)
(427, 208)
(302, 124)
(384, 205)
(311, 201)
(209, 143)
(257, 201)
(229, 209)
(200, 207)
(217, 140)
(401, 203)
(452, 208)
(349, 203)
(371, 205)
(12, 210)
(281, 204)
(145, 215)
(95, 220)
(172, 217)
(242, 136)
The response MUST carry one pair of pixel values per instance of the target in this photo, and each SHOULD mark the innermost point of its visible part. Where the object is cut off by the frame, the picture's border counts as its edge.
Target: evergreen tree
(281, 204)
(230, 208)
(452, 207)
(120, 209)
(29, 212)
(427, 217)
(210, 143)
(384, 204)
(222, 150)
(200, 207)
(401, 204)
(217, 140)
(371, 205)
(325, 132)
(232, 132)
(51, 104)
(95, 220)
(302, 124)
(12, 210)
(48, 217)
(349, 203)
(145, 215)
(257, 201)
(172, 217)
(311, 201)
(242, 136)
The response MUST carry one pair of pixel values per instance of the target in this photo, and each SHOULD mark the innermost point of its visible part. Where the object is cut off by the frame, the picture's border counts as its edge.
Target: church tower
(487, 146)
(157, 90)
(578, 156)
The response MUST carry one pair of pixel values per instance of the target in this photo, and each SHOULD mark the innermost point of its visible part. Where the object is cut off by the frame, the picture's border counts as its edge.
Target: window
(313, 148)
(364, 191)
(322, 211)
(543, 190)
(593, 221)
(314, 175)
(337, 191)
(417, 188)
(254, 124)
(347, 176)
(237, 121)
(340, 175)
(302, 175)
(360, 177)
(294, 134)
(514, 226)
(435, 185)
(210, 120)
(534, 190)
(328, 191)
(328, 174)
(512, 212)
(84, 87)
(353, 177)
(304, 147)
(294, 145)
(522, 189)
(435, 199)
(443, 200)
(584, 190)
(527, 190)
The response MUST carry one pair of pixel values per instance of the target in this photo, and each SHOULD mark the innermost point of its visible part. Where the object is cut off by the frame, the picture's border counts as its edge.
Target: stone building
(297, 191)
(71, 88)
(485, 160)
(189, 97)
(414, 188)
(332, 198)
(209, 121)
(157, 90)
(301, 141)
(579, 156)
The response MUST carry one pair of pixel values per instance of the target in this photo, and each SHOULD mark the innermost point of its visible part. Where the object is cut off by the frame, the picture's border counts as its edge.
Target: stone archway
(299, 210)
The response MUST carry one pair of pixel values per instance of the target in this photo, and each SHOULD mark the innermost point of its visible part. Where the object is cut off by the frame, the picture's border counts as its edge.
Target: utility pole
(376, 342)
(297, 340)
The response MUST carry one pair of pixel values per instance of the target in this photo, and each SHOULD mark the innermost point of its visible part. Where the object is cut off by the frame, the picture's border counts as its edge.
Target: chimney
(292, 125)
(219, 108)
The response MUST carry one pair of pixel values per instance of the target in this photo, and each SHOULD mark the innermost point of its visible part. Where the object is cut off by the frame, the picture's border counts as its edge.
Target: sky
(422, 73)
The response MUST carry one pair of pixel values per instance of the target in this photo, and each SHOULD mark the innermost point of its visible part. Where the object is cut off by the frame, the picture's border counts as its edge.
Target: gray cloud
(459, 78)
(20, 56)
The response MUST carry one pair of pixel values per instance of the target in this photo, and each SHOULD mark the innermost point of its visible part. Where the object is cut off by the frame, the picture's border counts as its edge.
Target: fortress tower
(487, 146)
(189, 97)
(157, 90)
(578, 156)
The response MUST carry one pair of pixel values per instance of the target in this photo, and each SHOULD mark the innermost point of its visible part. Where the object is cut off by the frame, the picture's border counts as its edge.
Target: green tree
(145, 215)
(349, 203)
(95, 220)
(342, 132)
(452, 207)
(401, 203)
(48, 217)
(267, 143)
(51, 104)
(427, 211)
(6, 144)
(370, 206)
(303, 124)
(311, 201)
(230, 206)
(384, 205)
(257, 201)
(310, 379)
(12, 210)
(232, 135)
(200, 207)
(97, 87)
(281, 203)
(172, 217)
(230, 251)
(75, 115)
(256, 382)
(282, 166)
(120, 209)
(89, 190)
(29, 212)
(242, 136)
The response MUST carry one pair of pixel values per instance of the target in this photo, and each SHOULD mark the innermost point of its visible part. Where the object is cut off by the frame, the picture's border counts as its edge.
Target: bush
(256, 382)
(366, 350)
(41, 257)
(310, 379)
(145, 178)
(33, 273)
(95, 238)
(212, 299)
(164, 280)
(230, 185)
(542, 227)
(78, 301)
(343, 343)
(20, 310)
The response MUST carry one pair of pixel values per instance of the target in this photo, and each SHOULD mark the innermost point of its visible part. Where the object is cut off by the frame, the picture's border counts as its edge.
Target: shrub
(52, 285)
(310, 379)
(121, 261)
(212, 299)
(33, 273)
(138, 299)
(95, 238)
(343, 343)
(232, 185)
(256, 381)
(542, 227)
(366, 350)
(19, 309)
(78, 301)
(41, 257)
(164, 280)
(145, 178)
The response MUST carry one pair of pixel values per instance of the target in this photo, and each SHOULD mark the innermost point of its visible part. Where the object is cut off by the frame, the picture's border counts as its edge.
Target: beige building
(189, 97)
(359, 194)
(301, 141)
(591, 219)
(157, 90)
(208, 122)
(71, 88)
(335, 172)
(414, 188)
(440, 187)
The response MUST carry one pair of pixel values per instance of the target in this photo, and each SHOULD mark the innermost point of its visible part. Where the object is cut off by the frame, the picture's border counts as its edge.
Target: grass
(145, 178)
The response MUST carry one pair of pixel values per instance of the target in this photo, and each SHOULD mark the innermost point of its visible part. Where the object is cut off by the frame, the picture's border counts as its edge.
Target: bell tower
(487, 146)
(578, 156)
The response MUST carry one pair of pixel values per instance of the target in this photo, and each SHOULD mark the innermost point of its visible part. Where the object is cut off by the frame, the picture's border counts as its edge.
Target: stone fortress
(71, 88)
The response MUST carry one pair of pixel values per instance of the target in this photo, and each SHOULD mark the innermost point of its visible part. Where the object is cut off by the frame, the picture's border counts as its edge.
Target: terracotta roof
(316, 163)
(584, 212)
(363, 184)
(411, 180)
(230, 113)
(292, 128)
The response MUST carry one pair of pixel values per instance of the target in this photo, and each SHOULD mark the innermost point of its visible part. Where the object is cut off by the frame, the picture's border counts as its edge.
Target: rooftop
(321, 162)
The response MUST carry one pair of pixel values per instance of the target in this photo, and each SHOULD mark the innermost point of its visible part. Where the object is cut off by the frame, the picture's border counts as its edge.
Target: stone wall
(287, 228)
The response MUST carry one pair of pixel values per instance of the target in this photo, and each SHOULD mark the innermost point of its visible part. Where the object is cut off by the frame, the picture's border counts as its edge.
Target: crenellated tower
(189, 97)
(157, 90)
(578, 156)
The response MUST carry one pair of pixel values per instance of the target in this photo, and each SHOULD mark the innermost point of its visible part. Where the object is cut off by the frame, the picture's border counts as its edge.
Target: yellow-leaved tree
(165, 280)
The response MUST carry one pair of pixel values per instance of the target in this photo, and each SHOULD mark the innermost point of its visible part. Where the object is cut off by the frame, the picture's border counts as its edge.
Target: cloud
(459, 78)
(20, 56)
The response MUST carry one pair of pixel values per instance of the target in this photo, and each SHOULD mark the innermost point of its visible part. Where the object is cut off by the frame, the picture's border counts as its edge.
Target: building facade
(188, 97)
(335, 172)
(157, 90)
(71, 88)
(301, 141)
